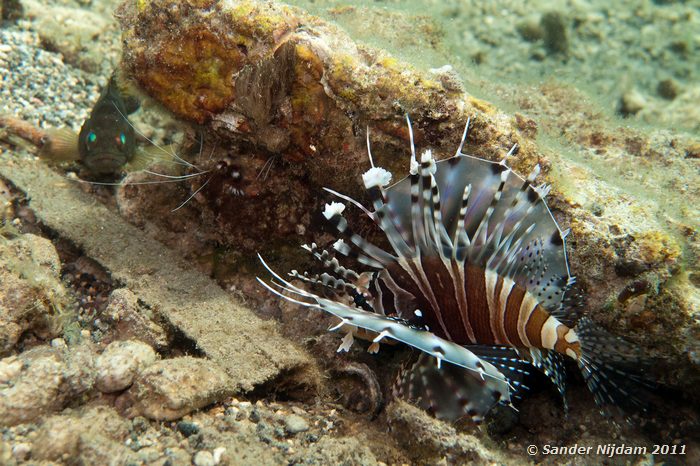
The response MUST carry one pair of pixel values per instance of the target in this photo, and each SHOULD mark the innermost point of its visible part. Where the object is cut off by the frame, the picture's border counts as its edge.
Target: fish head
(107, 141)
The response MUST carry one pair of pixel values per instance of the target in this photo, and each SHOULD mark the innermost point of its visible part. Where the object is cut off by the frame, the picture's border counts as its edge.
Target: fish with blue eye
(106, 144)
(107, 140)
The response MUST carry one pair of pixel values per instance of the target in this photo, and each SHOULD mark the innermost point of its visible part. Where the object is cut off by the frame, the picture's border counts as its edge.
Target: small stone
(449, 78)
(120, 362)
(555, 36)
(218, 452)
(32, 296)
(9, 369)
(133, 322)
(21, 451)
(632, 102)
(68, 434)
(530, 29)
(172, 388)
(187, 428)
(58, 343)
(294, 424)
(177, 456)
(62, 374)
(668, 89)
(693, 151)
(204, 458)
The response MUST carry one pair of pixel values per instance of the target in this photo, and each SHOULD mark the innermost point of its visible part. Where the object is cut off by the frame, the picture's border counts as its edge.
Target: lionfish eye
(91, 137)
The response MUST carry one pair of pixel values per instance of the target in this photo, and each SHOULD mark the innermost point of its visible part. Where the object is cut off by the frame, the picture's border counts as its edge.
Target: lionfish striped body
(477, 279)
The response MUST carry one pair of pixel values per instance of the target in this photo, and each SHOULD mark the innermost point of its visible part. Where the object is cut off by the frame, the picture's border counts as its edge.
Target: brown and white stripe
(517, 319)
(472, 306)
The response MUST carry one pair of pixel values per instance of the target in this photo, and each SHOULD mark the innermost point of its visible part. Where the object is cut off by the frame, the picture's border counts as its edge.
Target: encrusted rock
(437, 440)
(78, 34)
(273, 91)
(345, 450)
(295, 424)
(32, 298)
(132, 321)
(64, 436)
(172, 388)
(120, 362)
(98, 449)
(632, 102)
(9, 369)
(50, 378)
(21, 451)
(204, 458)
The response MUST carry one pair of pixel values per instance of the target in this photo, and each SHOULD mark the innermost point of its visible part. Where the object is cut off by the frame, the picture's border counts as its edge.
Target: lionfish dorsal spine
(461, 239)
(477, 280)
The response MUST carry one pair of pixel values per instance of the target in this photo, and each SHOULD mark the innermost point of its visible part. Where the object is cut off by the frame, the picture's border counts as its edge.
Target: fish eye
(122, 138)
(91, 137)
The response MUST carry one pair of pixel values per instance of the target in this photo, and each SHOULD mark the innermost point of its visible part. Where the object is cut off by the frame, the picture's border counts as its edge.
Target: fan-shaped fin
(615, 371)
(400, 330)
(552, 364)
(449, 393)
(503, 211)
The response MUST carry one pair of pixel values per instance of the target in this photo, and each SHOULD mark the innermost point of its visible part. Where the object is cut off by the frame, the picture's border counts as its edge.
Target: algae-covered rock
(120, 362)
(285, 99)
(82, 36)
(65, 436)
(172, 388)
(436, 439)
(48, 380)
(344, 450)
(32, 297)
(132, 321)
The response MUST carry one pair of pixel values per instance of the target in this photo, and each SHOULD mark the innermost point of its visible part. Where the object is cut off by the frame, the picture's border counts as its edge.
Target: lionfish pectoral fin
(551, 364)
(508, 361)
(616, 372)
(448, 392)
(399, 330)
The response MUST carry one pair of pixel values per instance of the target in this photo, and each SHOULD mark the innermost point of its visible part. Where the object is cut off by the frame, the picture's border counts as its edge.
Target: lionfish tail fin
(615, 371)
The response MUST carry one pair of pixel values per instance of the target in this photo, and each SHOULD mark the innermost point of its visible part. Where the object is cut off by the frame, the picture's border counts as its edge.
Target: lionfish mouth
(476, 280)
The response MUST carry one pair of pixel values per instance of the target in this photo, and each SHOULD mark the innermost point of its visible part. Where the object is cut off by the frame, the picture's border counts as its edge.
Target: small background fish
(106, 145)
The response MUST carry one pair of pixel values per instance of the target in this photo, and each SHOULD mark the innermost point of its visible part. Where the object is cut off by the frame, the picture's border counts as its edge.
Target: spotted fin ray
(467, 209)
(440, 349)
(449, 393)
(615, 371)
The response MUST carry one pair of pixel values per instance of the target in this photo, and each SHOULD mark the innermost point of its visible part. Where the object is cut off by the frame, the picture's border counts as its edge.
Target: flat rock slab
(250, 350)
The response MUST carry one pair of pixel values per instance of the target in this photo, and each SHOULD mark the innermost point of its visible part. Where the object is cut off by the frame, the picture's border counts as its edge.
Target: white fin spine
(461, 240)
(480, 236)
(332, 209)
(413, 144)
(330, 262)
(346, 343)
(464, 137)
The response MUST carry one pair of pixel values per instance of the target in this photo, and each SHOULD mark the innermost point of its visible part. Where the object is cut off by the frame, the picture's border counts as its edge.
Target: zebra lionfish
(477, 279)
